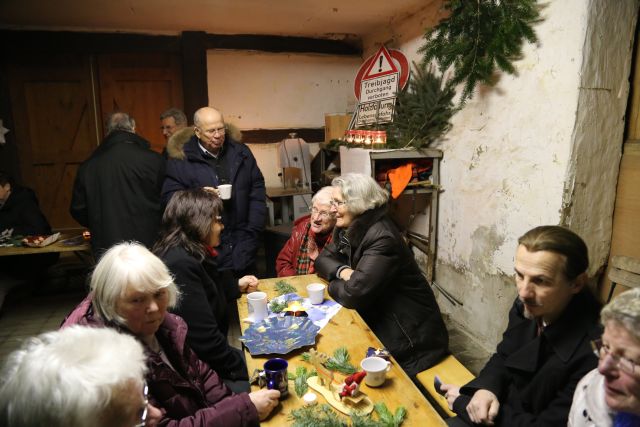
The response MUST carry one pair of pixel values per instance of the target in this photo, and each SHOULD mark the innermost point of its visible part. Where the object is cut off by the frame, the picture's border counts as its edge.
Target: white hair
(323, 196)
(625, 310)
(124, 266)
(72, 377)
(360, 192)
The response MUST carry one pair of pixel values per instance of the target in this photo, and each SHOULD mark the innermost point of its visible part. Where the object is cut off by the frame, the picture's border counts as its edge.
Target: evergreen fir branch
(423, 110)
(338, 362)
(316, 416)
(300, 379)
(276, 306)
(387, 418)
(282, 287)
(480, 37)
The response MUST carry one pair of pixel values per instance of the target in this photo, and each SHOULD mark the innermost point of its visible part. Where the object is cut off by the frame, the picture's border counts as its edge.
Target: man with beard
(545, 350)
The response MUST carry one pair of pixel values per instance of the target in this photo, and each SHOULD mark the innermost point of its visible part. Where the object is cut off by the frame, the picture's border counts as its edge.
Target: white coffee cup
(225, 191)
(376, 369)
(316, 292)
(257, 305)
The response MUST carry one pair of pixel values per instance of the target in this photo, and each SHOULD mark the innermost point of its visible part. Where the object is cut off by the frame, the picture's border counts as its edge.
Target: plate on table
(279, 335)
(40, 241)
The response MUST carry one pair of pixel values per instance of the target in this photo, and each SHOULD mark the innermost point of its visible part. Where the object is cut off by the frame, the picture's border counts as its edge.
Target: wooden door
(625, 238)
(143, 85)
(55, 123)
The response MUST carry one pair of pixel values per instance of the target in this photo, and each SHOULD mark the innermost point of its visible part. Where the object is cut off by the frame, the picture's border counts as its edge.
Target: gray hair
(178, 115)
(625, 310)
(360, 192)
(72, 377)
(323, 196)
(120, 121)
(128, 265)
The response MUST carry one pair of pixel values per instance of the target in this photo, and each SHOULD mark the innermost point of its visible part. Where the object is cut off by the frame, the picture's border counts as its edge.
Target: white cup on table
(376, 369)
(257, 305)
(224, 190)
(316, 293)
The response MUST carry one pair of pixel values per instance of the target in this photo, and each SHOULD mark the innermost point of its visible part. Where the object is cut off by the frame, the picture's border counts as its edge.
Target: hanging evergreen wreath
(480, 36)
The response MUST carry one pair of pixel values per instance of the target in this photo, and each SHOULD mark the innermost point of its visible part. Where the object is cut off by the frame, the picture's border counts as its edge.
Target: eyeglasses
(143, 416)
(321, 214)
(602, 350)
(212, 132)
(337, 203)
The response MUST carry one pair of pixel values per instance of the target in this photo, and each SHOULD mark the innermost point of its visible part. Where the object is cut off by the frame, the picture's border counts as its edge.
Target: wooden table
(82, 249)
(345, 329)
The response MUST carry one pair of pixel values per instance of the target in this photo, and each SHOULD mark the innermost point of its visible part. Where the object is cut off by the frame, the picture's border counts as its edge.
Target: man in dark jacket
(210, 158)
(545, 349)
(116, 193)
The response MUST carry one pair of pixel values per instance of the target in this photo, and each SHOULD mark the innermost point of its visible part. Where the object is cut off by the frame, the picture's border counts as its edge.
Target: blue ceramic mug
(275, 372)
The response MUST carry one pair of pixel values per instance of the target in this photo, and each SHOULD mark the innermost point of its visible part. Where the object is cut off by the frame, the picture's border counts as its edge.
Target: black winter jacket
(22, 213)
(387, 289)
(206, 294)
(116, 193)
(244, 215)
(534, 377)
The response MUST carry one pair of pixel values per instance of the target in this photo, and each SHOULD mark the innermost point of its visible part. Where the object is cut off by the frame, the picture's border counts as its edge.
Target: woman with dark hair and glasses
(610, 394)
(309, 236)
(191, 228)
(372, 270)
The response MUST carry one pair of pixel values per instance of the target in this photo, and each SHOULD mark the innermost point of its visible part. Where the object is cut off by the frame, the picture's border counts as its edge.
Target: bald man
(209, 158)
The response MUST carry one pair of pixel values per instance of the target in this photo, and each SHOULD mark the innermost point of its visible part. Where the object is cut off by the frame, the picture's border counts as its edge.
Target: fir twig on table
(276, 306)
(283, 287)
(338, 362)
(300, 379)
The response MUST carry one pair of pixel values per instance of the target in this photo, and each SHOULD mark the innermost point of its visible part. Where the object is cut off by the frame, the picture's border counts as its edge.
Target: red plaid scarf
(311, 244)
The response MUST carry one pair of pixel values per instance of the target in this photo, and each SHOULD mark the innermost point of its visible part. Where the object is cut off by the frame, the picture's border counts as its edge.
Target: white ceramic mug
(316, 292)
(257, 305)
(376, 369)
(224, 190)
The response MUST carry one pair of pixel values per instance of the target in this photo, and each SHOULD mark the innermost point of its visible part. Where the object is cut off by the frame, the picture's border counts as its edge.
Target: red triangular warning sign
(381, 65)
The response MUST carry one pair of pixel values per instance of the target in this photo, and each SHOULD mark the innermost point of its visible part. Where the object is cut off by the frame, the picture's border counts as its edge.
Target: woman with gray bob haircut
(360, 192)
(131, 290)
(78, 376)
(610, 394)
(371, 269)
(129, 266)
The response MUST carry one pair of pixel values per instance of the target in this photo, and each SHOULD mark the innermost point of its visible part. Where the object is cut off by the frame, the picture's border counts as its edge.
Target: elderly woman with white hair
(610, 394)
(131, 290)
(76, 377)
(309, 236)
(371, 269)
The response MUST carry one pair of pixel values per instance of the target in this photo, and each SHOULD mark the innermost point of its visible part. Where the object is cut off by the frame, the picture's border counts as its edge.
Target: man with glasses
(211, 158)
(172, 121)
(545, 350)
(77, 376)
(309, 236)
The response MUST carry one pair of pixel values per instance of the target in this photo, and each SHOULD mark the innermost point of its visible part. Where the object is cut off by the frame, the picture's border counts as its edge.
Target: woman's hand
(264, 401)
(248, 284)
(451, 393)
(346, 273)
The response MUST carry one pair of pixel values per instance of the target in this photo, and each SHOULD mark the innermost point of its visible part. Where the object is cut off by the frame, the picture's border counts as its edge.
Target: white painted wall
(258, 90)
(542, 147)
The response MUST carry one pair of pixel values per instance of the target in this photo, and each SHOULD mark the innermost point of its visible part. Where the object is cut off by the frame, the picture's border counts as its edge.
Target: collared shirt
(218, 163)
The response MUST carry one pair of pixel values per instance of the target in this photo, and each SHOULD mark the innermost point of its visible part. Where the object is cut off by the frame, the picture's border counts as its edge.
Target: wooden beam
(81, 42)
(279, 44)
(265, 136)
(195, 88)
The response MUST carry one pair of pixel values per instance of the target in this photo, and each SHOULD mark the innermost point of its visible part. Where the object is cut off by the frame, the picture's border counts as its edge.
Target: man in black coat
(209, 157)
(116, 193)
(545, 349)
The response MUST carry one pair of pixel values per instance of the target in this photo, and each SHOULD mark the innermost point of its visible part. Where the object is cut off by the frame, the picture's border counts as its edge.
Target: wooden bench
(450, 371)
